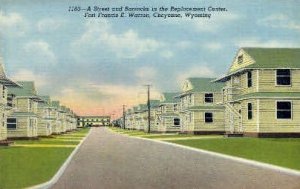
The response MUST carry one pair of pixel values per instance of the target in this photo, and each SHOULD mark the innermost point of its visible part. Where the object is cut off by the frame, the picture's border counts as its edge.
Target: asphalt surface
(111, 161)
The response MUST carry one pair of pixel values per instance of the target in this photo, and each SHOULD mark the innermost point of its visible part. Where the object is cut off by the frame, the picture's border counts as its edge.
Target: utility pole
(149, 106)
(124, 122)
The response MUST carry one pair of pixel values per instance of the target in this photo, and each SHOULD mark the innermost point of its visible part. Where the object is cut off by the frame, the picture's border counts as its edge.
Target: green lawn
(154, 136)
(26, 166)
(282, 152)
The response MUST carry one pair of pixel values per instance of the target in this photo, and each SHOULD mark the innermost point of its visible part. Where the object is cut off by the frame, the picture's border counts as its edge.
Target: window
(249, 79)
(11, 123)
(240, 59)
(190, 98)
(209, 97)
(284, 110)
(175, 107)
(30, 104)
(3, 91)
(250, 113)
(176, 122)
(283, 77)
(190, 116)
(208, 117)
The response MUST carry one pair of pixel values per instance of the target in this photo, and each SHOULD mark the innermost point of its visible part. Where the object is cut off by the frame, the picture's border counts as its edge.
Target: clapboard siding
(247, 60)
(269, 121)
(267, 82)
(3, 129)
(44, 127)
(216, 125)
(3, 97)
(24, 129)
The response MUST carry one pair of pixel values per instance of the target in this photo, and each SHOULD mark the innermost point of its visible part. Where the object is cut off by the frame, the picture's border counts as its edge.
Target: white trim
(231, 158)
(248, 110)
(257, 80)
(276, 85)
(204, 117)
(247, 98)
(257, 115)
(213, 98)
(290, 119)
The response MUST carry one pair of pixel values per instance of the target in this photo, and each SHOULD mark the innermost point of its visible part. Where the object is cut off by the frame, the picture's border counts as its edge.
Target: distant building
(44, 118)
(93, 121)
(201, 111)
(167, 116)
(6, 101)
(22, 121)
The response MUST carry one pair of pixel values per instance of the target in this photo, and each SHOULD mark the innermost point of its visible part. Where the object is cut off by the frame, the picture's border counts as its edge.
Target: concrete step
(6, 142)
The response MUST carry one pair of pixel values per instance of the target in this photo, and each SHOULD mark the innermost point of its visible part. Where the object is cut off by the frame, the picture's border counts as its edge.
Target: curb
(258, 164)
(61, 170)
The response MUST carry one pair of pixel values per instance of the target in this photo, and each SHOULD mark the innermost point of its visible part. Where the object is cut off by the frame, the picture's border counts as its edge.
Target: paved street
(108, 160)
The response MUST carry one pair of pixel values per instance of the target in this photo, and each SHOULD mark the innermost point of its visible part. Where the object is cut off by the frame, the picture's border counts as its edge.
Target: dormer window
(240, 59)
(283, 77)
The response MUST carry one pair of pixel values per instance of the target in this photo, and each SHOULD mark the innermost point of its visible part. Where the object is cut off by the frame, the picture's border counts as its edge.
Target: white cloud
(40, 51)
(183, 44)
(195, 71)
(28, 75)
(12, 24)
(146, 74)
(280, 21)
(49, 24)
(125, 45)
(256, 42)
(167, 54)
(213, 46)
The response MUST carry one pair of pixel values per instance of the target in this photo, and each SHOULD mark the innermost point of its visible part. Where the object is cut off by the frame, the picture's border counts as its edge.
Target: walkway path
(112, 161)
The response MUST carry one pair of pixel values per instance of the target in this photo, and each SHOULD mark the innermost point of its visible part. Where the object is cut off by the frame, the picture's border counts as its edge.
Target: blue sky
(96, 65)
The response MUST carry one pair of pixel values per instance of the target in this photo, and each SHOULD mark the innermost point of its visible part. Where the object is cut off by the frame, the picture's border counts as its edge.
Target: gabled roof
(268, 95)
(45, 101)
(274, 57)
(27, 90)
(268, 58)
(154, 103)
(169, 97)
(55, 104)
(200, 84)
(144, 107)
(3, 78)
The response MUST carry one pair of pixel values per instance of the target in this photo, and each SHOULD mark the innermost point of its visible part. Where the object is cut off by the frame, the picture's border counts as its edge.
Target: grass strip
(31, 162)
(281, 152)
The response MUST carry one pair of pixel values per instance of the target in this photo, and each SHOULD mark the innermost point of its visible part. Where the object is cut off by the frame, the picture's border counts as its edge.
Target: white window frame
(275, 73)
(212, 118)
(8, 122)
(213, 98)
(280, 119)
(248, 110)
(247, 79)
(174, 122)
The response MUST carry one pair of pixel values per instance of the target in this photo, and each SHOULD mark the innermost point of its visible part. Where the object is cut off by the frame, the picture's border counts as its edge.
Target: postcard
(149, 94)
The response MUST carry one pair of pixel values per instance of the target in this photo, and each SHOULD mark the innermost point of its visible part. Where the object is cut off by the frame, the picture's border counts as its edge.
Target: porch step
(6, 142)
(234, 135)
